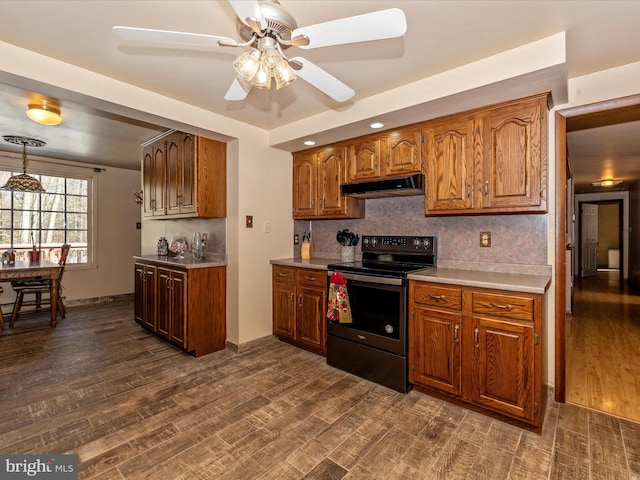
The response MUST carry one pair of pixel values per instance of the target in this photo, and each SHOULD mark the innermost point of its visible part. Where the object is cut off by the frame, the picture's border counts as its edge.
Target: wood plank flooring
(133, 407)
(603, 346)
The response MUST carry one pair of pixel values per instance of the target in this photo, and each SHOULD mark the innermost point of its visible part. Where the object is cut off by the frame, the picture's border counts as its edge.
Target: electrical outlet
(485, 239)
(249, 221)
(267, 227)
(296, 239)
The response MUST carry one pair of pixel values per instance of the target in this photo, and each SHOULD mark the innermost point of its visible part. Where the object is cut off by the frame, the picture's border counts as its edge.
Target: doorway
(587, 116)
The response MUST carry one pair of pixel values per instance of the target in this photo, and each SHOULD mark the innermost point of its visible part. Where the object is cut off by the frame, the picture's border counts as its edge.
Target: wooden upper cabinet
(317, 175)
(449, 154)
(331, 173)
(305, 180)
(181, 180)
(184, 175)
(515, 156)
(402, 152)
(364, 159)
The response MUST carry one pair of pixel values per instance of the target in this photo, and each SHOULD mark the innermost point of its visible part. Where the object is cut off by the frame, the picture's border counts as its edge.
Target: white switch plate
(267, 227)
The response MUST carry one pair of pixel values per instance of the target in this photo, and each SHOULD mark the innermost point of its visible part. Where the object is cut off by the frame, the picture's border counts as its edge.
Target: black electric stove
(374, 345)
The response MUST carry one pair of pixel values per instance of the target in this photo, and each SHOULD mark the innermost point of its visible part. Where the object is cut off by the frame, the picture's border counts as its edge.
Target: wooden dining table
(22, 270)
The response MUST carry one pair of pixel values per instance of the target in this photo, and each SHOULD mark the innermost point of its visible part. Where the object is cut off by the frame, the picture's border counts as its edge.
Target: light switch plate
(249, 221)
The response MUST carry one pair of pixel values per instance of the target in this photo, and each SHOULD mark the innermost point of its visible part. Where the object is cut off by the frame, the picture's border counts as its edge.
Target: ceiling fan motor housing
(278, 20)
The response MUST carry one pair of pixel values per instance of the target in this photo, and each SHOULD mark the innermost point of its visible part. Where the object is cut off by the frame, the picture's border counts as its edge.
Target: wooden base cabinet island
(182, 303)
(481, 346)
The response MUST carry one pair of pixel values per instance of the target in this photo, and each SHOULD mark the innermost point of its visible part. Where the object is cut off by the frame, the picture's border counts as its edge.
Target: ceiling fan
(268, 29)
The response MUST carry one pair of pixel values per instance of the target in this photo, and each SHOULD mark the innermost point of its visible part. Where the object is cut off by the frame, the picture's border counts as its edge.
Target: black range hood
(386, 187)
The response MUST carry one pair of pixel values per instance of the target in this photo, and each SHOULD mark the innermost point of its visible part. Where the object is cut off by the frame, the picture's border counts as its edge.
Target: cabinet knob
(486, 189)
(455, 333)
(476, 337)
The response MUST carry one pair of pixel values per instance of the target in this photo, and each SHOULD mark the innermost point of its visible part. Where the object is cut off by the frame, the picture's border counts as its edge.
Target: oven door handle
(368, 278)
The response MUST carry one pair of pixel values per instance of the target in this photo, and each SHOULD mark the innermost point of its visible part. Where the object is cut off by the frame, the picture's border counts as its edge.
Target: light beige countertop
(211, 260)
(516, 282)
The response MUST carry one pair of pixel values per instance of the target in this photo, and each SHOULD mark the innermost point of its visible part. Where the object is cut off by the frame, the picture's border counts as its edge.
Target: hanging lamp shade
(23, 182)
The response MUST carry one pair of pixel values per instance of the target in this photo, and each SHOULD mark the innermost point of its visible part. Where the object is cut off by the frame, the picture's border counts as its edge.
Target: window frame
(12, 162)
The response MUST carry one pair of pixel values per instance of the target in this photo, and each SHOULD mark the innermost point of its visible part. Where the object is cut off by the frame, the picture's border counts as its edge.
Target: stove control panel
(408, 244)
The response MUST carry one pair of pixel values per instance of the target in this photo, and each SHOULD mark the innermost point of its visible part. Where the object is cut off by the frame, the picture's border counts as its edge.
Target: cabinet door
(504, 366)
(163, 321)
(515, 165)
(311, 317)
(434, 349)
(144, 295)
(304, 185)
(363, 159)
(331, 173)
(449, 153)
(180, 173)
(402, 152)
(138, 293)
(148, 177)
(284, 310)
(157, 180)
(178, 313)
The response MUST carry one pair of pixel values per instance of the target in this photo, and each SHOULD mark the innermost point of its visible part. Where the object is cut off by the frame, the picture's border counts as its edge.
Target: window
(47, 220)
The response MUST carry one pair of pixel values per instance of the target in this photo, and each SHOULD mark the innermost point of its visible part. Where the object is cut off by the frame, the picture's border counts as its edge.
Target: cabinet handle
(476, 337)
(310, 279)
(486, 189)
(468, 190)
(299, 300)
(508, 307)
(292, 297)
(455, 333)
(283, 274)
(437, 297)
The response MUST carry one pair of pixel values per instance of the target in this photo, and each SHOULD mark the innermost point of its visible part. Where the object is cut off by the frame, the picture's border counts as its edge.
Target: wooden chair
(38, 287)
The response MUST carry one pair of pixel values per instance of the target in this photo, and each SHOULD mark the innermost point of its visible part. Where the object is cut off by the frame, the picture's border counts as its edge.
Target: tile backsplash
(517, 241)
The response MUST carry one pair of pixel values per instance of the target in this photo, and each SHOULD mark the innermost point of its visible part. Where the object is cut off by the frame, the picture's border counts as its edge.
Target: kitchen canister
(348, 253)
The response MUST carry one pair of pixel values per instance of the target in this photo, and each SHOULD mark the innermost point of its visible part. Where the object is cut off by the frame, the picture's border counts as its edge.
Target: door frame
(608, 112)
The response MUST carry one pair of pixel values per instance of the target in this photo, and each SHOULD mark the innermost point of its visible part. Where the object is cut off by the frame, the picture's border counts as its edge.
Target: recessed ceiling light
(606, 183)
(377, 125)
(309, 142)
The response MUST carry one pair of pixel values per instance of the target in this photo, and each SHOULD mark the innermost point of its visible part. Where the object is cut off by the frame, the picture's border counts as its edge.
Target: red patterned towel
(338, 308)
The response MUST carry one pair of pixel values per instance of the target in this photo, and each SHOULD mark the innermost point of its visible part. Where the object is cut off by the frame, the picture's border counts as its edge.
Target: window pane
(52, 184)
(53, 202)
(5, 237)
(27, 220)
(5, 197)
(76, 204)
(26, 201)
(53, 220)
(77, 221)
(77, 237)
(77, 187)
(52, 238)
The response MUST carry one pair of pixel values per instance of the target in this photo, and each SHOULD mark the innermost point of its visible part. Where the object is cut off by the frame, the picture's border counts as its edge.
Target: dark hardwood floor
(133, 407)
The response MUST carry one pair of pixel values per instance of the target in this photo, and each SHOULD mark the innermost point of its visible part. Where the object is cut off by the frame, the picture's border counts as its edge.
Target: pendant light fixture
(23, 182)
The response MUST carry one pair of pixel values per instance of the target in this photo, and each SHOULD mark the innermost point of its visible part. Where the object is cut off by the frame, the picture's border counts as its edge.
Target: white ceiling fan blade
(249, 9)
(379, 25)
(323, 81)
(237, 91)
(169, 37)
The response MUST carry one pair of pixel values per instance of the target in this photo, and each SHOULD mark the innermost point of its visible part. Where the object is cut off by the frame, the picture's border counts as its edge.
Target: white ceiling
(441, 35)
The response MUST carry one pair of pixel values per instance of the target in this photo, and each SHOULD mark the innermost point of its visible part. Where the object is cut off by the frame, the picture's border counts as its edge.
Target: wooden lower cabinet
(185, 306)
(300, 307)
(481, 346)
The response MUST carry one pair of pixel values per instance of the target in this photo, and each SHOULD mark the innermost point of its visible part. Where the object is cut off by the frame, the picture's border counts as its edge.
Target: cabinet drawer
(305, 276)
(429, 294)
(510, 306)
(284, 274)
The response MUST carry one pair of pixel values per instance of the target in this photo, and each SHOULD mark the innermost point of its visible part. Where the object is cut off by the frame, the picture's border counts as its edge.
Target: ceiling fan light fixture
(247, 64)
(283, 74)
(262, 78)
(44, 113)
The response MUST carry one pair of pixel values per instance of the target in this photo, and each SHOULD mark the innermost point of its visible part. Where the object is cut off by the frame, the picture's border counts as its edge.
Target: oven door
(378, 312)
